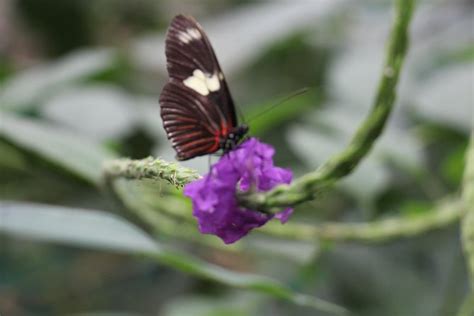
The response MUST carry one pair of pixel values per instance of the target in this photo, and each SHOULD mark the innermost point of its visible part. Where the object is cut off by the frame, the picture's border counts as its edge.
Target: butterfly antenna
(280, 102)
(240, 114)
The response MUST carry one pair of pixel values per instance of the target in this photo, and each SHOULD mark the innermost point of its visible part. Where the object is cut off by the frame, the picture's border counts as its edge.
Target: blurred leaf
(464, 55)
(101, 230)
(80, 227)
(353, 77)
(291, 16)
(48, 19)
(246, 281)
(99, 111)
(447, 104)
(58, 146)
(313, 148)
(414, 207)
(298, 252)
(120, 73)
(453, 165)
(109, 313)
(11, 158)
(26, 89)
(289, 64)
(163, 208)
(467, 307)
(267, 116)
(327, 131)
(5, 70)
(230, 305)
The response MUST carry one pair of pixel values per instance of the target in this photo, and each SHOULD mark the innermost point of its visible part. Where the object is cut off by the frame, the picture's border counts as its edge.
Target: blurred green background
(80, 81)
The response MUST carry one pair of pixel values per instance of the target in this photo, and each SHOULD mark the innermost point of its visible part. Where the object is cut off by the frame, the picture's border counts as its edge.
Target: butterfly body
(233, 138)
(196, 106)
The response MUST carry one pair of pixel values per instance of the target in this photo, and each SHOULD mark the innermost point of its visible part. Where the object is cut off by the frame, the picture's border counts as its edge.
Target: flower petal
(215, 206)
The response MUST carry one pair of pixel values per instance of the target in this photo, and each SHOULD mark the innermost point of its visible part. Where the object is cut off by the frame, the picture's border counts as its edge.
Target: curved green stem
(446, 212)
(342, 164)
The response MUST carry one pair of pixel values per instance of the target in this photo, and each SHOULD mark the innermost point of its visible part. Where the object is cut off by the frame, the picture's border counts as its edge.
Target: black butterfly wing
(194, 70)
(193, 123)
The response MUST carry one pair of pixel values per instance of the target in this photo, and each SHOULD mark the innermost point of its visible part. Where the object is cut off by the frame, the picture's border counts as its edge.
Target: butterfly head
(233, 138)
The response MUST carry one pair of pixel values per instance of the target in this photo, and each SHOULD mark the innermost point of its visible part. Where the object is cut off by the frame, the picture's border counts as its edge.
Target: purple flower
(214, 198)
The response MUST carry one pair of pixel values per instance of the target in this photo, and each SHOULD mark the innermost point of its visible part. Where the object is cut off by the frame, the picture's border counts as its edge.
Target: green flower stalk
(342, 164)
(149, 168)
(446, 212)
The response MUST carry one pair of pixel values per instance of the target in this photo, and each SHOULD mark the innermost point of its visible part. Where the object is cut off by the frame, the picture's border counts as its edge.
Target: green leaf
(60, 147)
(101, 230)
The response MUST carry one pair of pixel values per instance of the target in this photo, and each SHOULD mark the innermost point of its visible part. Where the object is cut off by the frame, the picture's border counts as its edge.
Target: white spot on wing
(197, 85)
(213, 83)
(195, 34)
(184, 37)
(202, 83)
(199, 74)
(189, 35)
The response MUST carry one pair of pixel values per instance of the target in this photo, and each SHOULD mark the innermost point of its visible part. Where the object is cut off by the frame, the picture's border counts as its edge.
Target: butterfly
(196, 107)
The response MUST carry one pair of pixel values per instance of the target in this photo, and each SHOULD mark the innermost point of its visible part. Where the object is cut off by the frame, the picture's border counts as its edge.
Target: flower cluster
(215, 206)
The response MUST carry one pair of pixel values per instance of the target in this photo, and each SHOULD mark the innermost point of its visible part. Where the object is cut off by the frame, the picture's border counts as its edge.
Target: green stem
(342, 164)
(445, 213)
(468, 220)
(245, 281)
(148, 168)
